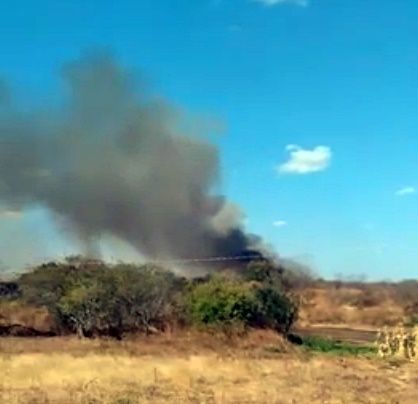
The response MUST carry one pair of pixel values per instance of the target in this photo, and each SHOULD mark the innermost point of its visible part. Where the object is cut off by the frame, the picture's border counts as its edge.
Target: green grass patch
(329, 346)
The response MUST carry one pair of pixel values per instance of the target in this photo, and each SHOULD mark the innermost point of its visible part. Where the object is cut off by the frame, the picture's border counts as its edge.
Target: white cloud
(305, 161)
(269, 3)
(406, 191)
(279, 223)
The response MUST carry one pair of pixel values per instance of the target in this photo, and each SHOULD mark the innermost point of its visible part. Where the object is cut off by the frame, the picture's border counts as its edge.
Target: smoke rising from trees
(114, 161)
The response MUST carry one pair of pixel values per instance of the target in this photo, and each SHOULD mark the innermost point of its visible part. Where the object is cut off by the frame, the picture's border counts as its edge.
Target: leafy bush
(91, 308)
(223, 301)
(148, 295)
(47, 283)
(263, 271)
(275, 309)
(90, 297)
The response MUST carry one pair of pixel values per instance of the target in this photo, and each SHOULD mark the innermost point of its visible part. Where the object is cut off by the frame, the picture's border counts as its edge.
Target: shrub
(258, 271)
(91, 308)
(226, 302)
(411, 313)
(148, 295)
(296, 276)
(265, 272)
(398, 342)
(221, 301)
(90, 298)
(47, 283)
(275, 309)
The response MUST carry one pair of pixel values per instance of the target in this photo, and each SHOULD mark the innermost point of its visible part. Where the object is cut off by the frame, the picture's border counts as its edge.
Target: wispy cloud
(406, 191)
(279, 223)
(270, 3)
(305, 161)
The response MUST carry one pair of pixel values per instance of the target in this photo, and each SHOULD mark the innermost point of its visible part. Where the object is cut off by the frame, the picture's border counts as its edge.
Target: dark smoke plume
(113, 161)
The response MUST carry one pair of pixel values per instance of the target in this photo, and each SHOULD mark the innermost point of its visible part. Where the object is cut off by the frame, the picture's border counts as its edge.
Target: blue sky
(318, 98)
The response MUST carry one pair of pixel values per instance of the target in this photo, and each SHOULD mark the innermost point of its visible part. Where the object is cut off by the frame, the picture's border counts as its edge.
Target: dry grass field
(359, 305)
(190, 368)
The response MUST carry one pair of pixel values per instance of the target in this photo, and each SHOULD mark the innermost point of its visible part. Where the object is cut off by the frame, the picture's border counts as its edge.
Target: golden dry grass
(191, 369)
(15, 312)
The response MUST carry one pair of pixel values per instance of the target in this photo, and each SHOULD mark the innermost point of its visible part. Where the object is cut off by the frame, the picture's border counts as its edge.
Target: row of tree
(92, 298)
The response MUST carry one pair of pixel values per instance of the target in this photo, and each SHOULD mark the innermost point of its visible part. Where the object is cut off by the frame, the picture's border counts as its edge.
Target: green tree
(89, 297)
(275, 309)
(221, 301)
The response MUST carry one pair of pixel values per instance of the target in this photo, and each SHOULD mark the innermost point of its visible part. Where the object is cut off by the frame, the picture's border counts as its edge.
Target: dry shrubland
(398, 342)
(359, 304)
(348, 304)
(187, 359)
(15, 312)
(92, 298)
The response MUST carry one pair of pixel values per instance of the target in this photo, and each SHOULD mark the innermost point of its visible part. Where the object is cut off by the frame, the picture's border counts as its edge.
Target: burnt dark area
(9, 290)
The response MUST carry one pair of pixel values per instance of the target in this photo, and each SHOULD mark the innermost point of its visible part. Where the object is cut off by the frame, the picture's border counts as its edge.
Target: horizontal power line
(209, 259)
(160, 262)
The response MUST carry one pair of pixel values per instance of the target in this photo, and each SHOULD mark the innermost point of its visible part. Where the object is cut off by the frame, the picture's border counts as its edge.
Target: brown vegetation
(15, 313)
(91, 298)
(182, 364)
(355, 305)
(358, 305)
(193, 368)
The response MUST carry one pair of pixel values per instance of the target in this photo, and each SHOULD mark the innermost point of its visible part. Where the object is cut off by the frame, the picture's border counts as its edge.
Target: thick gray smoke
(112, 161)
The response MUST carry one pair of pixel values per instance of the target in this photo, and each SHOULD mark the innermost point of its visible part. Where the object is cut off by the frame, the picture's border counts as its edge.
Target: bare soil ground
(194, 368)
